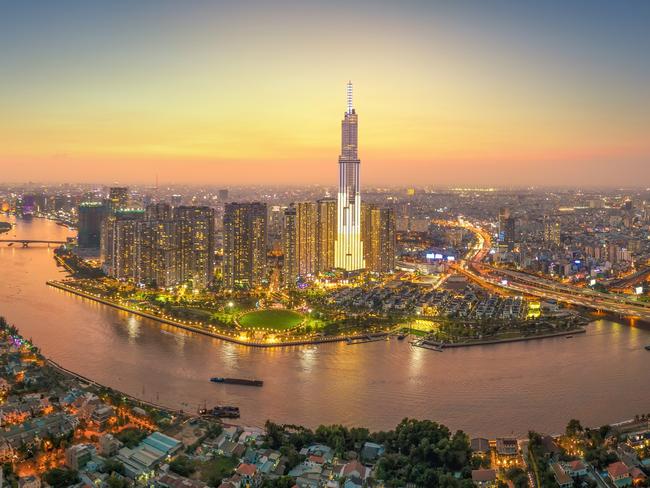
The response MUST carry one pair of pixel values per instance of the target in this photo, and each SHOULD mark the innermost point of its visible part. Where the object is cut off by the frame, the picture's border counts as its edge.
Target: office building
(349, 248)
(244, 244)
(506, 233)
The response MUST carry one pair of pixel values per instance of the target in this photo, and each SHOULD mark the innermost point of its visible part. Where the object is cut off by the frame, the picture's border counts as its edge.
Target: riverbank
(234, 339)
(563, 333)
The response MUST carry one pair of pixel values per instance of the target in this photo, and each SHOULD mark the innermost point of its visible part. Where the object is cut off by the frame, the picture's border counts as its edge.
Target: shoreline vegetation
(5, 227)
(356, 338)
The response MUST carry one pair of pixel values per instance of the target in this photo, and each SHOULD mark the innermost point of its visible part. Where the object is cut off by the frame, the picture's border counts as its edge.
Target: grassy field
(270, 319)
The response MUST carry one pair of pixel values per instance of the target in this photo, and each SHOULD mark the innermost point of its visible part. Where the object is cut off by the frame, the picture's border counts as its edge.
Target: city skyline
(516, 94)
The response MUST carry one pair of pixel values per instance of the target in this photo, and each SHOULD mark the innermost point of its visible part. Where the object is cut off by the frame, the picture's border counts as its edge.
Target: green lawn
(270, 319)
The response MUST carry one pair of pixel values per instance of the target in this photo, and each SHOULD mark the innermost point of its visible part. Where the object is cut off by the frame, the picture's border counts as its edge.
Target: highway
(515, 281)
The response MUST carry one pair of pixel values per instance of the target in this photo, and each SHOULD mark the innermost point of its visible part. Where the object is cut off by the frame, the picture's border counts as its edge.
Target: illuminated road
(515, 281)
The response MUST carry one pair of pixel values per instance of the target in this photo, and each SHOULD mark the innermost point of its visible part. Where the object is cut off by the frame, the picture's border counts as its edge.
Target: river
(598, 377)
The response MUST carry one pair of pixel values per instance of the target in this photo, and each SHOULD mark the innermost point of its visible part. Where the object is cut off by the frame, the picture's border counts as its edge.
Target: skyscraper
(325, 234)
(349, 248)
(119, 197)
(299, 241)
(244, 244)
(158, 248)
(197, 242)
(506, 237)
(89, 228)
(289, 234)
(119, 244)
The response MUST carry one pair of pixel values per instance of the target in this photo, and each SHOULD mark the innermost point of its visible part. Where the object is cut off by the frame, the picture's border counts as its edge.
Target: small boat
(221, 411)
(401, 337)
(569, 336)
(237, 381)
(647, 348)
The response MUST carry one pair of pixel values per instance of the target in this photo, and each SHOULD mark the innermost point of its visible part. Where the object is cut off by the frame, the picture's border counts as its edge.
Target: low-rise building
(619, 474)
(562, 479)
(484, 478)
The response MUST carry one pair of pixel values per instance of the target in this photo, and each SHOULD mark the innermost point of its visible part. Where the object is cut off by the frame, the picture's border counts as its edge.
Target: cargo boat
(236, 381)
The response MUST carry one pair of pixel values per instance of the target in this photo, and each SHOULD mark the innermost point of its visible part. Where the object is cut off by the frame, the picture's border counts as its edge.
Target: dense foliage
(60, 477)
(420, 452)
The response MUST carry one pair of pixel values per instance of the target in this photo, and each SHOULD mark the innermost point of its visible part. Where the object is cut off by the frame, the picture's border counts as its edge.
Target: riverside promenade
(200, 330)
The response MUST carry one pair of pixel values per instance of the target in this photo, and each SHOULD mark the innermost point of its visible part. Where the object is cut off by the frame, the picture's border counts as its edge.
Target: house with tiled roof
(619, 474)
(575, 469)
(249, 475)
(562, 479)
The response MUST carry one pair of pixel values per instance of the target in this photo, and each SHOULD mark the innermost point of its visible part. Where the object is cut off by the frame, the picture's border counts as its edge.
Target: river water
(597, 377)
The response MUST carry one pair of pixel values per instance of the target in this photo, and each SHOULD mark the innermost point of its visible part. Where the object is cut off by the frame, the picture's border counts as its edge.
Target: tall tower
(349, 248)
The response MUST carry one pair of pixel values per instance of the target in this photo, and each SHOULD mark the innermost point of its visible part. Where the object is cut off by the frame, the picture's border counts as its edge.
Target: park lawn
(270, 319)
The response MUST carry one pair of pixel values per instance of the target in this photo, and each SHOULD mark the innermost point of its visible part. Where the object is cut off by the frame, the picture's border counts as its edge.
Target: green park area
(270, 319)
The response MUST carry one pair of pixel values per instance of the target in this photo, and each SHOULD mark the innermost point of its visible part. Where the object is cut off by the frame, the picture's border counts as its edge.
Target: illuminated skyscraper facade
(349, 247)
(160, 247)
(326, 229)
(289, 237)
(299, 241)
(378, 235)
(244, 244)
(197, 242)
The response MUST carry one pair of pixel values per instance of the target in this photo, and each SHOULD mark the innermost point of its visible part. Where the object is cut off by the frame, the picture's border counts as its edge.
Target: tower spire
(350, 108)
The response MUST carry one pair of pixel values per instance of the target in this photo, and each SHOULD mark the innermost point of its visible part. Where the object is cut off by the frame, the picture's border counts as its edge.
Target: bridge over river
(27, 242)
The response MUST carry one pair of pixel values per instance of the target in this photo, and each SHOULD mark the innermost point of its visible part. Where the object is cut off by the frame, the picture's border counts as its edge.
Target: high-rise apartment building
(349, 248)
(326, 228)
(299, 241)
(289, 238)
(118, 197)
(197, 243)
(89, 226)
(160, 247)
(119, 243)
(244, 244)
(378, 232)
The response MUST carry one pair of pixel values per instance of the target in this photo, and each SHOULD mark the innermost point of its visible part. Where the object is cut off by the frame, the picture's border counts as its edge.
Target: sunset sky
(483, 92)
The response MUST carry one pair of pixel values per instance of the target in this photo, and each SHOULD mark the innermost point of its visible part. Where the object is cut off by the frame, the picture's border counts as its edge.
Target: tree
(574, 428)
(60, 477)
(117, 482)
(183, 466)
(113, 466)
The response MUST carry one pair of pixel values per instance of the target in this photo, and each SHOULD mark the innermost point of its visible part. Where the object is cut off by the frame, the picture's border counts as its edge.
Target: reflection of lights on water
(308, 358)
(133, 326)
